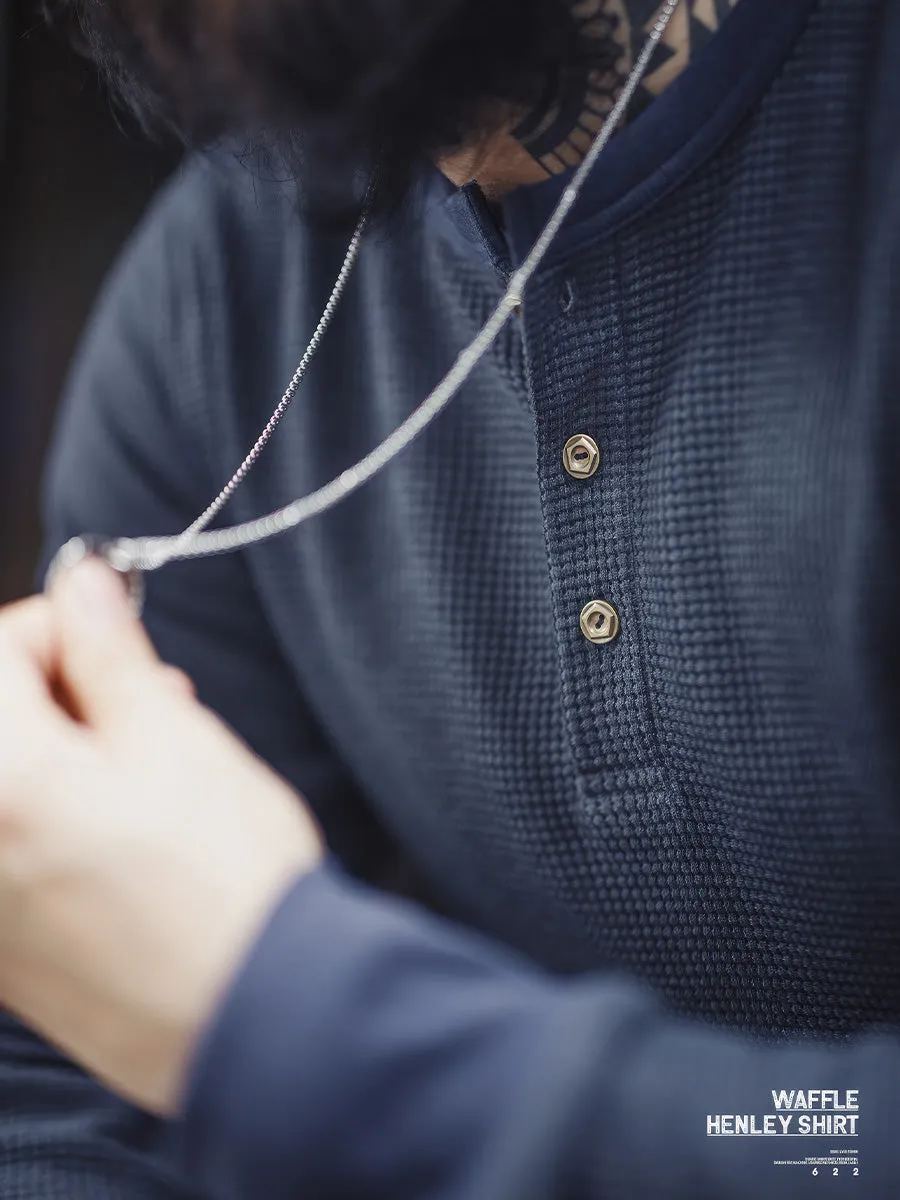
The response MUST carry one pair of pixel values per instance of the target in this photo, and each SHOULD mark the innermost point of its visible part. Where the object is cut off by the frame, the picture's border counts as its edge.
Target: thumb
(107, 663)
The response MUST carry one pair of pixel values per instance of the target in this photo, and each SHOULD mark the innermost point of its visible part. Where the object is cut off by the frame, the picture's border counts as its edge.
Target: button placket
(576, 367)
(599, 620)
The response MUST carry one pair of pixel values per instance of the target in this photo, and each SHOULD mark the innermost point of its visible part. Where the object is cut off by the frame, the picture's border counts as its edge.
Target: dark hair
(339, 83)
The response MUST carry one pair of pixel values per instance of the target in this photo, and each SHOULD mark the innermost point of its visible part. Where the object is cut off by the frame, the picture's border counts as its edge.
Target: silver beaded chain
(131, 555)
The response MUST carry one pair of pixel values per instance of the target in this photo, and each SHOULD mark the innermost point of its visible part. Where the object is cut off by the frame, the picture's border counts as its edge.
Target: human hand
(142, 845)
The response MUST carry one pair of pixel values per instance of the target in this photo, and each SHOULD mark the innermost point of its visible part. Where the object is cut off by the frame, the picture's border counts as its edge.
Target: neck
(559, 132)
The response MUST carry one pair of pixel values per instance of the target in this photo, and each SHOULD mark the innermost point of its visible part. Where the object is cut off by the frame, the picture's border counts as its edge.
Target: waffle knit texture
(706, 808)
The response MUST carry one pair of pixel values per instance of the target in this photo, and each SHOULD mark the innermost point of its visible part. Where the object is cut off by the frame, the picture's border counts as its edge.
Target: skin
(529, 152)
(142, 845)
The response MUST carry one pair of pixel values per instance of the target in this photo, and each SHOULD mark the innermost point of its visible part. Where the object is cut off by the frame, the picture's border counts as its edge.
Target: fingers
(180, 683)
(33, 726)
(27, 647)
(106, 660)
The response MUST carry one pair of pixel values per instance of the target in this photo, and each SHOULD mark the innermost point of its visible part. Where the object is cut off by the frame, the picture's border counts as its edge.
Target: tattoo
(558, 133)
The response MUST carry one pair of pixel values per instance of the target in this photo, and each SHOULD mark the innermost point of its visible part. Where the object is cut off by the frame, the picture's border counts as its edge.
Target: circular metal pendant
(80, 547)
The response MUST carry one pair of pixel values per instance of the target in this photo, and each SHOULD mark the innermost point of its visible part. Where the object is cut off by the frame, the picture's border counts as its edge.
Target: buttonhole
(567, 296)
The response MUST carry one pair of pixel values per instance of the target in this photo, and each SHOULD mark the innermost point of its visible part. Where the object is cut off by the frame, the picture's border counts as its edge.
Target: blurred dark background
(72, 185)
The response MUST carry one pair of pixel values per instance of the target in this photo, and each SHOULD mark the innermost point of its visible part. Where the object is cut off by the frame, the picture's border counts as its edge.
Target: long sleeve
(127, 458)
(367, 1049)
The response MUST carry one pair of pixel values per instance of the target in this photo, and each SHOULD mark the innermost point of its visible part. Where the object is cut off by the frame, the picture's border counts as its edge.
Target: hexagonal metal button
(581, 456)
(599, 622)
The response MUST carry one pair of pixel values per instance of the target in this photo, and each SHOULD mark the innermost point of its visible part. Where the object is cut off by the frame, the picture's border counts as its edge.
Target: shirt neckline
(655, 153)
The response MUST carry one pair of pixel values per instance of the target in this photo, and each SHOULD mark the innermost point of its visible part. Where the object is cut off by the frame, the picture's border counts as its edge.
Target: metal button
(599, 622)
(581, 456)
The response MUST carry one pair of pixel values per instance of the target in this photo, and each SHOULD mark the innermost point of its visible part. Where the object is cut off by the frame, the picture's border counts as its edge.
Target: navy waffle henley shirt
(662, 873)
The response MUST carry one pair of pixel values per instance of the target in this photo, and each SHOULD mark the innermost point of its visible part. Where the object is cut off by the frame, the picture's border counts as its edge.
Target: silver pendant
(80, 547)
